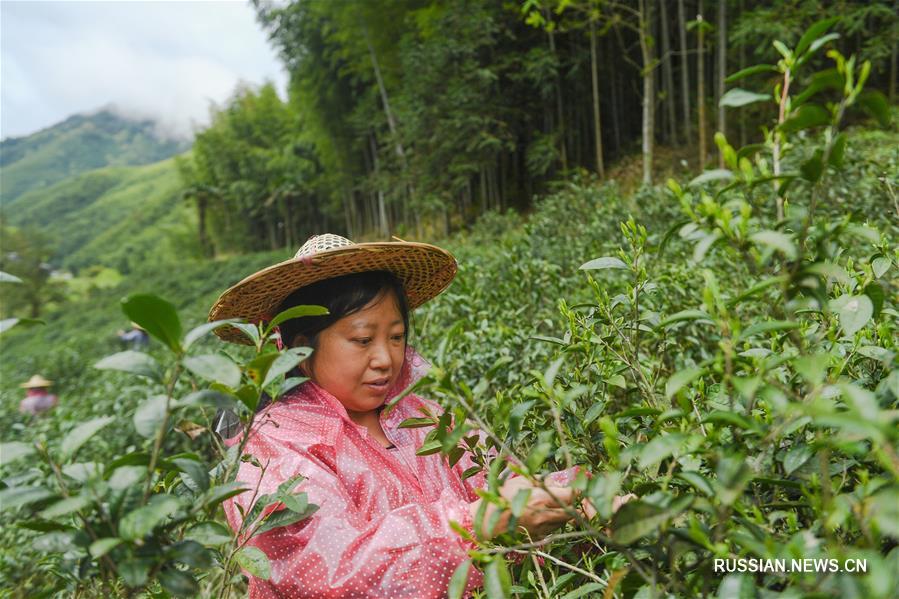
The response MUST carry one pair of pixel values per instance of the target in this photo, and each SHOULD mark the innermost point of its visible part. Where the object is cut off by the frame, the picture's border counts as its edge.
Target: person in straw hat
(38, 398)
(382, 528)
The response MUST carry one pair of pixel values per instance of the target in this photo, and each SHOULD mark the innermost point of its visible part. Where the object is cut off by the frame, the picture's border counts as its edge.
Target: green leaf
(5, 277)
(140, 522)
(417, 423)
(854, 311)
(519, 502)
(459, 580)
(812, 367)
(134, 571)
(718, 174)
(286, 518)
(636, 519)
(590, 587)
(876, 104)
(680, 379)
(686, 315)
(66, 506)
(195, 471)
(776, 240)
(296, 312)
(616, 380)
(15, 450)
(178, 583)
(837, 151)
(220, 493)
(157, 316)
(877, 296)
(215, 368)
(497, 582)
(808, 116)
(812, 168)
(430, 447)
(197, 333)
(603, 263)
(255, 562)
(753, 70)
(830, 271)
(79, 435)
(210, 534)
(659, 448)
(101, 547)
(149, 415)
(14, 497)
(767, 327)
(8, 323)
(814, 32)
(285, 362)
(732, 418)
(740, 97)
(697, 481)
(796, 457)
(880, 266)
(290, 383)
(134, 362)
(885, 505)
(703, 245)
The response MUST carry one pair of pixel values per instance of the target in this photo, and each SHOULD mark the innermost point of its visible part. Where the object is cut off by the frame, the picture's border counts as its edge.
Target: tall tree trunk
(385, 100)
(700, 86)
(202, 207)
(616, 121)
(597, 129)
(560, 118)
(648, 91)
(722, 72)
(893, 68)
(383, 225)
(742, 65)
(667, 72)
(685, 73)
(348, 214)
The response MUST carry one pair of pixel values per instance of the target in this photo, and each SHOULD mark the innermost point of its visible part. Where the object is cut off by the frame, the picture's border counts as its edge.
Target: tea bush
(732, 362)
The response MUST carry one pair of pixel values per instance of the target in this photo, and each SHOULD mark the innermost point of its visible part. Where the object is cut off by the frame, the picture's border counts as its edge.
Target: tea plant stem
(539, 572)
(568, 566)
(160, 433)
(785, 93)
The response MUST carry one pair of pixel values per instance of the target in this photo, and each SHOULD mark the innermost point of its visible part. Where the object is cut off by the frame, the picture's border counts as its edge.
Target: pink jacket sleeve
(410, 551)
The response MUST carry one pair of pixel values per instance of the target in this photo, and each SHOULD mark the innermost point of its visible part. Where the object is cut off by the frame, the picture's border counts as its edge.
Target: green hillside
(115, 216)
(80, 143)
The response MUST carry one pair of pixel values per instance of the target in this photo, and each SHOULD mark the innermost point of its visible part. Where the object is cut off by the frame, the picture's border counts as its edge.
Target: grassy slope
(78, 144)
(115, 216)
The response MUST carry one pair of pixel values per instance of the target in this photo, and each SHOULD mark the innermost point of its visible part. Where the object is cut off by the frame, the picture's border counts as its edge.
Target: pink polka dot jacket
(382, 528)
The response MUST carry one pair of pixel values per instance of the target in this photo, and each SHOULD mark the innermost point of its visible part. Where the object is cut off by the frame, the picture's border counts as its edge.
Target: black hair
(342, 296)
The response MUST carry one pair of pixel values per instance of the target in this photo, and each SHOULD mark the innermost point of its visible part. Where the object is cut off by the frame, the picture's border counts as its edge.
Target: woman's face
(359, 357)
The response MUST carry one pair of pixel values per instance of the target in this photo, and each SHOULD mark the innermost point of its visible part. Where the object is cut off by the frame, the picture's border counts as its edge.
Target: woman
(382, 528)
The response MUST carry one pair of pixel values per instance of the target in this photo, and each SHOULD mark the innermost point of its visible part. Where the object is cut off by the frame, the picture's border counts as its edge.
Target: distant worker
(38, 398)
(136, 339)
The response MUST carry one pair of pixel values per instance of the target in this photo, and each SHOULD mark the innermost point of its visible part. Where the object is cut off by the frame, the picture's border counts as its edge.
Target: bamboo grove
(414, 117)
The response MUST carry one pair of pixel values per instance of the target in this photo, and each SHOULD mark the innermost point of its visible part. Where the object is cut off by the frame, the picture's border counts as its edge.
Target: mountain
(80, 143)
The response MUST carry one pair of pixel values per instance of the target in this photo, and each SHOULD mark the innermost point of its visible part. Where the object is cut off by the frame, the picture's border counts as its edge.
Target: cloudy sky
(160, 60)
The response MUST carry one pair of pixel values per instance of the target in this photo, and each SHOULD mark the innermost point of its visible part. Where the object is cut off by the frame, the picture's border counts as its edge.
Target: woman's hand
(546, 509)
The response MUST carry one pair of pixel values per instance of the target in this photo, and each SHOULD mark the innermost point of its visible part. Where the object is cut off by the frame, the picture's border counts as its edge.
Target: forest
(420, 116)
(676, 229)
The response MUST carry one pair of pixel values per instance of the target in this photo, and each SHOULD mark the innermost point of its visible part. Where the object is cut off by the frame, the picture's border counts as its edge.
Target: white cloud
(160, 60)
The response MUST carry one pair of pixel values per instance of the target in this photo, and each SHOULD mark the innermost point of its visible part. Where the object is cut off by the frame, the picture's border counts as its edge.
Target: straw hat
(36, 382)
(425, 271)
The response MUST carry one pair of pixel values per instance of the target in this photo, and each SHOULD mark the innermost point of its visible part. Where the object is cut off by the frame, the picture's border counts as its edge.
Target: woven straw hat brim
(36, 382)
(425, 271)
